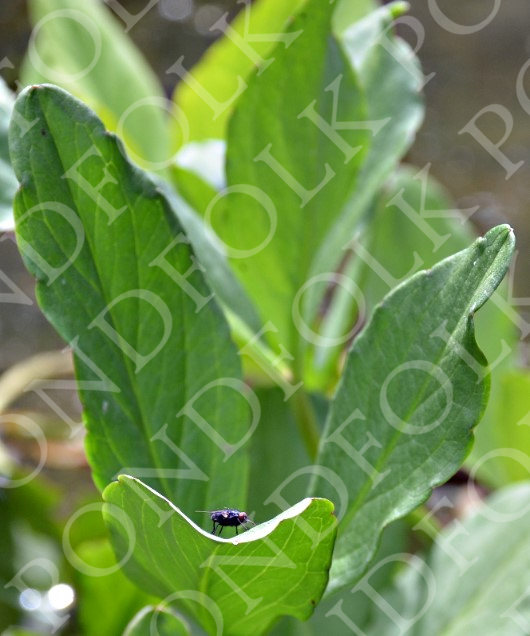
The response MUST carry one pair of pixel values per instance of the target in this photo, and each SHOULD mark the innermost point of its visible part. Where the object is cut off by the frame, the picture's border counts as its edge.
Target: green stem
(307, 422)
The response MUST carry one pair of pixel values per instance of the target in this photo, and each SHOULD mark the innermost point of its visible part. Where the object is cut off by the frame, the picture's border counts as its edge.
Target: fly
(227, 517)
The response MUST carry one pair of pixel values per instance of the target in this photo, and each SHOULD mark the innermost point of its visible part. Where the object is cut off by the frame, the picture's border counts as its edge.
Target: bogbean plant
(278, 319)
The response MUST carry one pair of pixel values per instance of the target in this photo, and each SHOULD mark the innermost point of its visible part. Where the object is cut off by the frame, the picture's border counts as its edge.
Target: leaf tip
(500, 233)
(120, 481)
(34, 90)
(399, 8)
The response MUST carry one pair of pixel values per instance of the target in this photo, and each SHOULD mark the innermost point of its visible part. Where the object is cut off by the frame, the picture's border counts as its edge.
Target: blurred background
(471, 72)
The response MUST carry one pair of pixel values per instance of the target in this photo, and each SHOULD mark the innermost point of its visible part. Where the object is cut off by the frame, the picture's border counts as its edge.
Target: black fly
(227, 517)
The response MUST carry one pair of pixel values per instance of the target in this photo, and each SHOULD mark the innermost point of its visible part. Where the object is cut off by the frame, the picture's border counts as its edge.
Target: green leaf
(159, 621)
(407, 399)
(117, 83)
(136, 396)
(478, 572)
(392, 94)
(225, 61)
(392, 238)
(8, 181)
(110, 600)
(306, 76)
(286, 560)
(477, 600)
(190, 201)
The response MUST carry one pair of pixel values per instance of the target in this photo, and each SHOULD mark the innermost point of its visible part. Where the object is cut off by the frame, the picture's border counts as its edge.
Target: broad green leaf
(407, 400)
(394, 240)
(306, 76)
(82, 47)
(175, 351)
(474, 594)
(197, 181)
(393, 96)
(275, 569)
(476, 578)
(224, 62)
(194, 194)
(8, 181)
(110, 600)
(191, 200)
(159, 621)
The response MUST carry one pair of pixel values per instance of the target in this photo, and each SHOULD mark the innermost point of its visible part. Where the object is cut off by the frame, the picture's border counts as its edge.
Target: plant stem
(307, 422)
